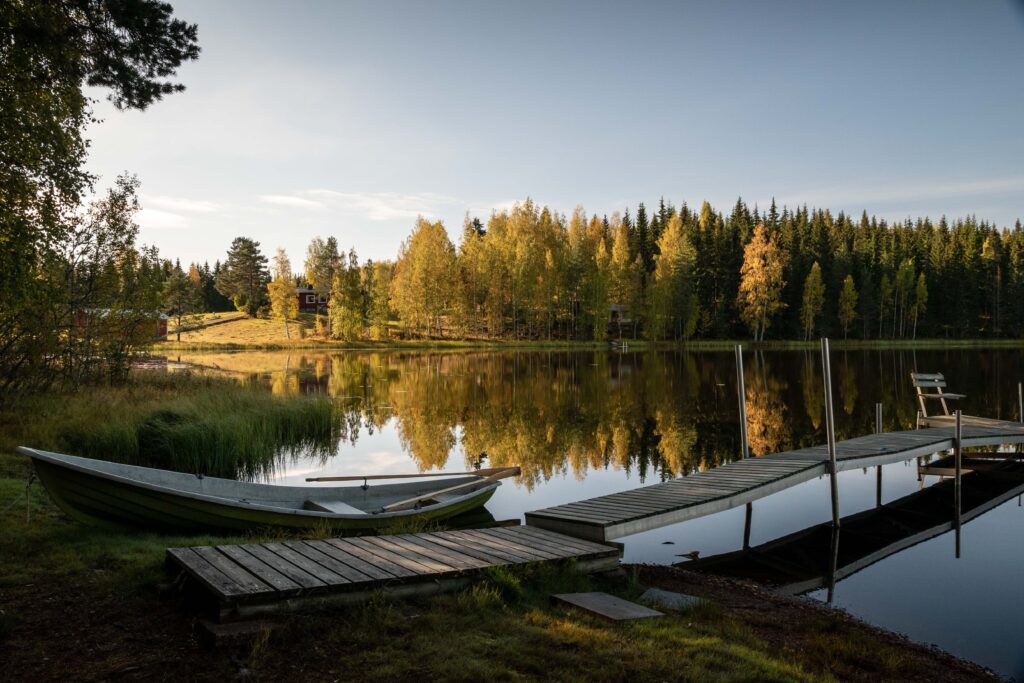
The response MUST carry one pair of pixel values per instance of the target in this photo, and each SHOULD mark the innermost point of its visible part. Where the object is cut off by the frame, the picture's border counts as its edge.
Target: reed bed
(190, 423)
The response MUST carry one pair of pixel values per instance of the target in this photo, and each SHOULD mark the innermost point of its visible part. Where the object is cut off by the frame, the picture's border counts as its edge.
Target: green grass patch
(205, 425)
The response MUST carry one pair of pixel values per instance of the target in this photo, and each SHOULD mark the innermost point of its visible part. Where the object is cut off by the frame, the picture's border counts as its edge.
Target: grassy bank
(184, 422)
(261, 334)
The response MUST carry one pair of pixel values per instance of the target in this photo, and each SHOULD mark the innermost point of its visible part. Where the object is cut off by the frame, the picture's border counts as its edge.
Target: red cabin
(311, 300)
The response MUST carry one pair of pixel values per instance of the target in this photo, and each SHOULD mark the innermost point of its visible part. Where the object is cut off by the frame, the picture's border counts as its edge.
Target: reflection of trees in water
(652, 414)
(813, 390)
(768, 429)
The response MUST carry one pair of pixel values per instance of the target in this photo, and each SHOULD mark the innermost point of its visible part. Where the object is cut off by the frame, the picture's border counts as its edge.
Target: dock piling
(878, 468)
(957, 456)
(830, 429)
(741, 391)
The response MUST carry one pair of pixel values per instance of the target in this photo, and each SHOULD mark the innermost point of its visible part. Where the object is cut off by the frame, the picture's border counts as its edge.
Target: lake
(582, 424)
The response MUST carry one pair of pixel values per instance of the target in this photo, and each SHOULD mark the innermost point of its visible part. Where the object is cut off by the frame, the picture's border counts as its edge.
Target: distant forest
(667, 274)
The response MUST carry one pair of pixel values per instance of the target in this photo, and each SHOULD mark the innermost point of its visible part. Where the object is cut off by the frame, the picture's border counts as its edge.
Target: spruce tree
(243, 277)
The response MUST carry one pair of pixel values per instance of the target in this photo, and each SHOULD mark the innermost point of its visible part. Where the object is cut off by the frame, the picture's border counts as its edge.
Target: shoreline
(640, 345)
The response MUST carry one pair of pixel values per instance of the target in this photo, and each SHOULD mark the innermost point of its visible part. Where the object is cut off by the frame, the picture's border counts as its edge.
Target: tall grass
(204, 425)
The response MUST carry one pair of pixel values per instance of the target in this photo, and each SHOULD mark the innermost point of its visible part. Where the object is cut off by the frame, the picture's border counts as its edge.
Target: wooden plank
(614, 506)
(399, 558)
(429, 554)
(555, 546)
(579, 544)
(204, 572)
(927, 375)
(619, 501)
(461, 537)
(524, 554)
(492, 558)
(296, 574)
(607, 606)
(373, 572)
(505, 536)
(568, 512)
(426, 556)
(262, 570)
(242, 578)
(324, 560)
(350, 546)
(450, 556)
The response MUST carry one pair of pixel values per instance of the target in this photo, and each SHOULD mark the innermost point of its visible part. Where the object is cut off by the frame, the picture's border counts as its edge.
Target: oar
(359, 477)
(412, 502)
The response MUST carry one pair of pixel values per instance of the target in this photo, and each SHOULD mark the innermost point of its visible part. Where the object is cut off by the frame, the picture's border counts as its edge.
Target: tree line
(79, 295)
(669, 274)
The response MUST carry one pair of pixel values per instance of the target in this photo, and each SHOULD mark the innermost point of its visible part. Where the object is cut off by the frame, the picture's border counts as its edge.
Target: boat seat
(336, 506)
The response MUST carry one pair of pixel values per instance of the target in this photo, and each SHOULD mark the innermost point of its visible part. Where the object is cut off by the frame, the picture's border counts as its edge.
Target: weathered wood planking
(254, 578)
(703, 493)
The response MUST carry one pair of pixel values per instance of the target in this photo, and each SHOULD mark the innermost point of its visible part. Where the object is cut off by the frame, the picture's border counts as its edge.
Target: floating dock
(813, 558)
(704, 493)
(256, 578)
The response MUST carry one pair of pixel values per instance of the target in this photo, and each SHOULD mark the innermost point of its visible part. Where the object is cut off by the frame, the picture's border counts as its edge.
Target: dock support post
(746, 526)
(833, 565)
(957, 456)
(830, 429)
(878, 469)
(741, 390)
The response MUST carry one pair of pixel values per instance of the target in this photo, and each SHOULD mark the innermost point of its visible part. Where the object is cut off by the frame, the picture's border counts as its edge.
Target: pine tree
(847, 305)
(243, 277)
(920, 300)
(813, 300)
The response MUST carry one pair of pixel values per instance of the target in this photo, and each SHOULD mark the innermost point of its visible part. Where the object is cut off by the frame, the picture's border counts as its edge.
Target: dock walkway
(703, 493)
(254, 578)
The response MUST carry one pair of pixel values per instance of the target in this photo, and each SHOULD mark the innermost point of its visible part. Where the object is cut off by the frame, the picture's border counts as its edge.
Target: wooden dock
(703, 493)
(256, 578)
(804, 561)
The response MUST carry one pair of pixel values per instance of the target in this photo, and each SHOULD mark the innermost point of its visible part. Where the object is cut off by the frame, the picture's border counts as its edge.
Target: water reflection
(655, 414)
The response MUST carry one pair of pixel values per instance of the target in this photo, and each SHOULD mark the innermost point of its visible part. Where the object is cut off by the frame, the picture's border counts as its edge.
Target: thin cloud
(291, 200)
(180, 203)
(878, 194)
(156, 219)
(384, 206)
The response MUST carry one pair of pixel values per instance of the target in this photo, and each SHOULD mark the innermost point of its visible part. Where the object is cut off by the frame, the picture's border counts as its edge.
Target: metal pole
(833, 565)
(746, 526)
(957, 455)
(878, 469)
(830, 429)
(742, 391)
(1020, 400)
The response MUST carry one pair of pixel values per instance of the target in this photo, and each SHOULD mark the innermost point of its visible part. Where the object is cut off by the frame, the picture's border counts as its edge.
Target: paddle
(412, 502)
(477, 473)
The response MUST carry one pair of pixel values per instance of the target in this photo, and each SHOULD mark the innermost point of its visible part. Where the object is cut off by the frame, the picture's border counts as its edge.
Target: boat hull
(95, 499)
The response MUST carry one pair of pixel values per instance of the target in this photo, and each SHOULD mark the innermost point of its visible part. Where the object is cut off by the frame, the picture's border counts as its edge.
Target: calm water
(583, 424)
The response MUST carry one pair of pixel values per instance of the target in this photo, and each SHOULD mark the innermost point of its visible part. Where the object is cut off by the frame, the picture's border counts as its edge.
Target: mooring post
(878, 468)
(957, 455)
(833, 566)
(741, 390)
(830, 429)
(746, 526)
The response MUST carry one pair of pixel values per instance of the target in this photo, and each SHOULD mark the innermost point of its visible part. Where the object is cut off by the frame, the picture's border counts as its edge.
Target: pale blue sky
(350, 118)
